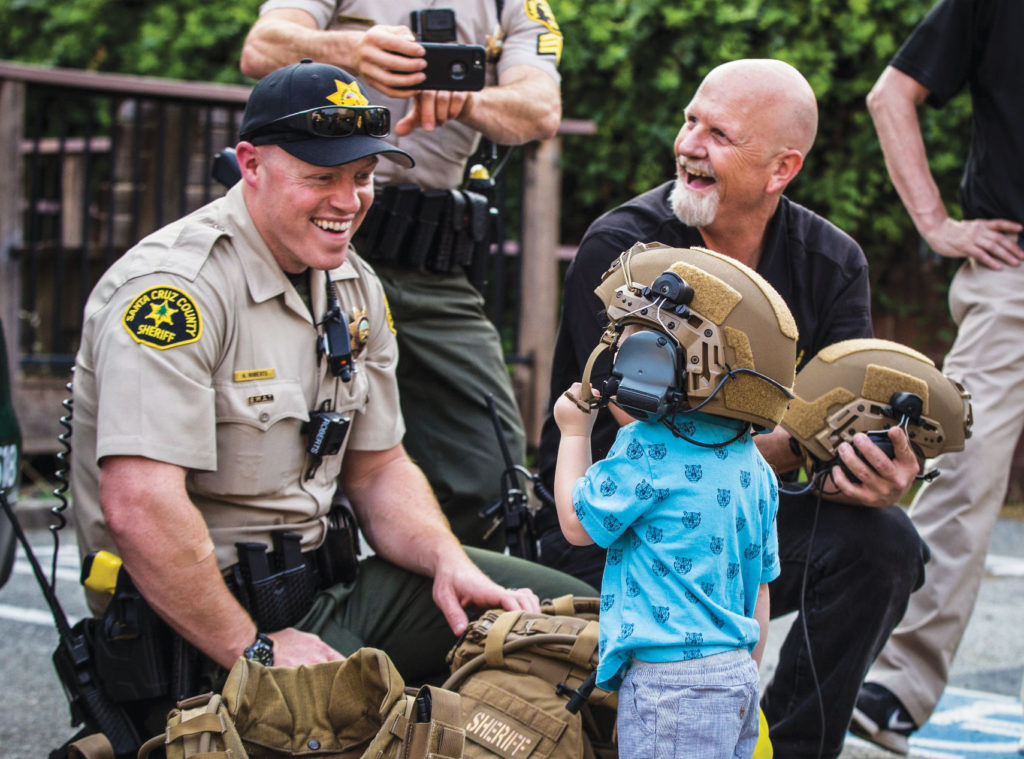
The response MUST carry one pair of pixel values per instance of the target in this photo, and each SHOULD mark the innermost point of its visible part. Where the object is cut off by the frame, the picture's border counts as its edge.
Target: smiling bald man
(746, 133)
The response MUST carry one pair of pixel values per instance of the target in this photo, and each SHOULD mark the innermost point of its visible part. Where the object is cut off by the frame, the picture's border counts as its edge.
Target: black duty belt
(428, 230)
(276, 588)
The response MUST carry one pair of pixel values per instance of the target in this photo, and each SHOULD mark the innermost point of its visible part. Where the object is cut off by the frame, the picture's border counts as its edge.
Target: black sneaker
(879, 717)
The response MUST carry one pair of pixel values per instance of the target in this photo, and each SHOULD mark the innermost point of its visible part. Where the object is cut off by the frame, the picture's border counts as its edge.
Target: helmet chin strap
(747, 428)
(587, 400)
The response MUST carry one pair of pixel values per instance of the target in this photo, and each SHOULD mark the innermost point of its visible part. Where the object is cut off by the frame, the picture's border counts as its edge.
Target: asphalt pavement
(979, 716)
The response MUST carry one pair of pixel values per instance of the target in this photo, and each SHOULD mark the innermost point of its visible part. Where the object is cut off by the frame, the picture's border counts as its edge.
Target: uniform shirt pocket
(260, 443)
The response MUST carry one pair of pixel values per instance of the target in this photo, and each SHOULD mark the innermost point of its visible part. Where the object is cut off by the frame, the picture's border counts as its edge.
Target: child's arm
(762, 610)
(573, 460)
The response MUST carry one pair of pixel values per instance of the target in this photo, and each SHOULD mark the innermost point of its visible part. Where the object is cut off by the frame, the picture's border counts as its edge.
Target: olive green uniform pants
(392, 609)
(449, 360)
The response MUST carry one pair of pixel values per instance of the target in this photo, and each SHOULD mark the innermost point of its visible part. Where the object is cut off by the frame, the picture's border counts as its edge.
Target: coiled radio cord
(61, 475)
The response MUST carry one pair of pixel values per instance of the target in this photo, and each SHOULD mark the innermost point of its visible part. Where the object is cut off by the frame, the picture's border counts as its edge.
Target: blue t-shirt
(690, 533)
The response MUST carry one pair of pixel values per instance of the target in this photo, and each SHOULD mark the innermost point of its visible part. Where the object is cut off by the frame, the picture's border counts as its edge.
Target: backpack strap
(563, 606)
(572, 606)
(585, 645)
(199, 728)
(95, 746)
(493, 654)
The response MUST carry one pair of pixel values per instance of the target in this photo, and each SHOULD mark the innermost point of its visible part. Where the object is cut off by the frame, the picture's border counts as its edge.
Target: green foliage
(631, 66)
(184, 39)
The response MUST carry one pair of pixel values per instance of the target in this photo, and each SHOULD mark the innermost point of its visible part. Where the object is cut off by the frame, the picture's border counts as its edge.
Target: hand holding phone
(453, 67)
(450, 66)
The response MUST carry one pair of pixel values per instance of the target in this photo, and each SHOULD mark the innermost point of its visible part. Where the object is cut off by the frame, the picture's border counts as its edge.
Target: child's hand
(570, 418)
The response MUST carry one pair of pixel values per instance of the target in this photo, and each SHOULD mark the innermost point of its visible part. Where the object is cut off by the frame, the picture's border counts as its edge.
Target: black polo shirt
(819, 271)
(978, 44)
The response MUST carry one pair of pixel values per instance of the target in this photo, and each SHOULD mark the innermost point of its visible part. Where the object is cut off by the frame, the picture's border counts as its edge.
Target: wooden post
(72, 190)
(538, 311)
(12, 114)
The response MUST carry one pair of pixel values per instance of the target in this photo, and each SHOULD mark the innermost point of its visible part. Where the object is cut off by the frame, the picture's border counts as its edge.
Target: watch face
(261, 651)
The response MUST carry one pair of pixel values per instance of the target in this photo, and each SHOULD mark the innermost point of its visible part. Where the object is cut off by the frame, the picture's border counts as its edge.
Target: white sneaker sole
(864, 727)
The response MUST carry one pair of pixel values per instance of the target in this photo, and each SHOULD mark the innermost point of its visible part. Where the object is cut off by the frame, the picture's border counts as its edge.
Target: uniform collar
(264, 277)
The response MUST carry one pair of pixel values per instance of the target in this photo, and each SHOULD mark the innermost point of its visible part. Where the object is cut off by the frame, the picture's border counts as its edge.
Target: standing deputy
(235, 367)
(451, 355)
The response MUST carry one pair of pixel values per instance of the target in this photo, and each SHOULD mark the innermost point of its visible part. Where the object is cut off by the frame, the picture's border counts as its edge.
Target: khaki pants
(955, 514)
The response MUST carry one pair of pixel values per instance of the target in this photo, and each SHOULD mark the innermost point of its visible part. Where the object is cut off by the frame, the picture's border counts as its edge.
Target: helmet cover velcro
(803, 419)
(712, 298)
(787, 324)
(880, 382)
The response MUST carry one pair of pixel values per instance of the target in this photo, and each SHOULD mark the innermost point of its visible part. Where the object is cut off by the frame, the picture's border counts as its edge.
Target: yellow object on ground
(763, 749)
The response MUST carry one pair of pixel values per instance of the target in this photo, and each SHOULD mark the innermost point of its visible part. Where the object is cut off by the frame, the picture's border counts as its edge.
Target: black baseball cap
(303, 88)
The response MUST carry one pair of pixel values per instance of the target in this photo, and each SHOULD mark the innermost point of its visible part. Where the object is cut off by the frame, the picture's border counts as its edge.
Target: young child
(685, 505)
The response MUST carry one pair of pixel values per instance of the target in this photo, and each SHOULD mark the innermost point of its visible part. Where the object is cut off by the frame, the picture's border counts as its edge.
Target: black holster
(277, 589)
(138, 656)
(337, 560)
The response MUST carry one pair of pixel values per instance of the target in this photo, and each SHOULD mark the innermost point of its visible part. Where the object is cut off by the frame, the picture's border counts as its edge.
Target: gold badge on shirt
(163, 317)
(359, 329)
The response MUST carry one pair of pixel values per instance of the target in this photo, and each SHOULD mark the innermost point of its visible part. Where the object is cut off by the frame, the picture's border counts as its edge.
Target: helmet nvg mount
(869, 384)
(691, 330)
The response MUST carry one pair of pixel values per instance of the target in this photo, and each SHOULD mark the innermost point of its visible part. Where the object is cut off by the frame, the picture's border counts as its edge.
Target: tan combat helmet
(869, 384)
(733, 338)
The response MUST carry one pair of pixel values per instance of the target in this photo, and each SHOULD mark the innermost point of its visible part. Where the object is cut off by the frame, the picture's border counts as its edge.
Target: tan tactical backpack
(358, 708)
(517, 672)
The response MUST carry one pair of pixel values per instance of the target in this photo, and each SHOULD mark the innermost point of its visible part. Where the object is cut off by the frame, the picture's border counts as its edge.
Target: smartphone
(453, 67)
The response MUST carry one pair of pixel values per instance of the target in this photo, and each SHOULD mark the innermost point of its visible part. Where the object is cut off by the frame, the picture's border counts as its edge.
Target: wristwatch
(261, 651)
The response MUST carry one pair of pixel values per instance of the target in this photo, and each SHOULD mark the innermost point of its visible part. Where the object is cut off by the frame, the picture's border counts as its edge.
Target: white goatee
(692, 208)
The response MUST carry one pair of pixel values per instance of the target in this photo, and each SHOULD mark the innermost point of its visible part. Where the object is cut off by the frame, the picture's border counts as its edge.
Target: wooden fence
(92, 162)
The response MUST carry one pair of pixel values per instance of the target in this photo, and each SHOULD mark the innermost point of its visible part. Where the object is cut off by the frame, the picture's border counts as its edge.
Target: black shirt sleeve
(822, 274)
(845, 311)
(934, 53)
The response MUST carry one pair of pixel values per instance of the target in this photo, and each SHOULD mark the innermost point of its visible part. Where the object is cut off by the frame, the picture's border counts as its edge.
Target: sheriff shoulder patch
(163, 317)
(391, 321)
(550, 42)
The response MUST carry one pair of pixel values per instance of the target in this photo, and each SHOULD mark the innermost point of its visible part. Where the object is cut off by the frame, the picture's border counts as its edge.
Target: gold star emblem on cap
(347, 94)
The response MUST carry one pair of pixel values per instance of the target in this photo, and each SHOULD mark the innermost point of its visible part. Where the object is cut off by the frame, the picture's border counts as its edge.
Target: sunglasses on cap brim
(332, 121)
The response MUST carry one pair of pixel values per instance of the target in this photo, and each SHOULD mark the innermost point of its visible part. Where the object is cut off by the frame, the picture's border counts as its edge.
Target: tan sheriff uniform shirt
(198, 351)
(531, 36)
